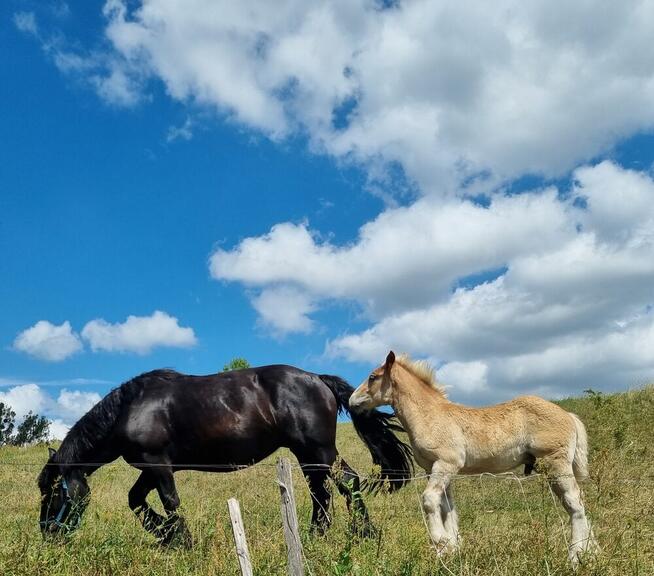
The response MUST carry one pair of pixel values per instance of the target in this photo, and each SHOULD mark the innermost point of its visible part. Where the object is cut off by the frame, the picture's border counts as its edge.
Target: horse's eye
(371, 378)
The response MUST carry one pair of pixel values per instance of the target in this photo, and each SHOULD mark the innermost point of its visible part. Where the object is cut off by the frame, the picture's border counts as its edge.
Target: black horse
(164, 421)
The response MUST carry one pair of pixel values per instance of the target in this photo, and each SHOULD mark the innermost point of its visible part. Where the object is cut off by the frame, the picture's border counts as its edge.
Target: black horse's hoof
(177, 535)
(178, 539)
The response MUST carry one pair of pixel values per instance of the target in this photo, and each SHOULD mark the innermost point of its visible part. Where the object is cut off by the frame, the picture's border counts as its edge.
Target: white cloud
(139, 334)
(571, 304)
(429, 244)
(62, 411)
(284, 309)
(469, 377)
(115, 82)
(48, 341)
(25, 398)
(446, 90)
(73, 404)
(58, 429)
(461, 98)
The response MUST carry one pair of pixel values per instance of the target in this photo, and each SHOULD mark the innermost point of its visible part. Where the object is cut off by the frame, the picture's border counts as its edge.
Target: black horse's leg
(349, 485)
(320, 495)
(316, 467)
(151, 521)
(173, 529)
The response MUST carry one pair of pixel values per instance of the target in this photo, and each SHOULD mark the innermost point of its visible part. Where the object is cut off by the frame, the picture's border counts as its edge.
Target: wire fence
(503, 516)
(308, 467)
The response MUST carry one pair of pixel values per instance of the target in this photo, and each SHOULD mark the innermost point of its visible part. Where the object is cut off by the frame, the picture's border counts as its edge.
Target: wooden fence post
(239, 537)
(289, 518)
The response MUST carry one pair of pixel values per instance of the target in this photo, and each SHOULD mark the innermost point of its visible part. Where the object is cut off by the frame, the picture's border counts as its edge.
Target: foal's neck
(412, 398)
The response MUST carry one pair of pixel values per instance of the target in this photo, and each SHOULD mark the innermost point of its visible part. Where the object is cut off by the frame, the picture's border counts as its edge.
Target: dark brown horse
(163, 421)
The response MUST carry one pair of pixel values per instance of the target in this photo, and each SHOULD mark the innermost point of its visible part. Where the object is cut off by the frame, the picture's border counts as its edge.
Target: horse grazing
(449, 439)
(164, 421)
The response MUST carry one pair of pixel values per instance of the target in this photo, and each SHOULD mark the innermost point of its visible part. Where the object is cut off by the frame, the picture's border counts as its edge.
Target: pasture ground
(509, 527)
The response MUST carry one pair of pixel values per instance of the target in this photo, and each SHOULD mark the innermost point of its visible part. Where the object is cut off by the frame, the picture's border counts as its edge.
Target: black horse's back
(230, 418)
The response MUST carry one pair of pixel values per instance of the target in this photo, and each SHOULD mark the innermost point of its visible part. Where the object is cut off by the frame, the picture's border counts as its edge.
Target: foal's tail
(580, 461)
(376, 429)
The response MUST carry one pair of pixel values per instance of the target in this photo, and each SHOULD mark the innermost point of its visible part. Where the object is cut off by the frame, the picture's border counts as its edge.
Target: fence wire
(620, 506)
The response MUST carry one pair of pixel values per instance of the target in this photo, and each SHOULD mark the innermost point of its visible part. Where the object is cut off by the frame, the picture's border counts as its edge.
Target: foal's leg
(449, 515)
(349, 485)
(566, 488)
(150, 520)
(174, 529)
(432, 497)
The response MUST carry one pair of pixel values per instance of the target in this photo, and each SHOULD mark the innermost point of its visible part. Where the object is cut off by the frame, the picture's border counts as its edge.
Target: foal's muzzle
(359, 402)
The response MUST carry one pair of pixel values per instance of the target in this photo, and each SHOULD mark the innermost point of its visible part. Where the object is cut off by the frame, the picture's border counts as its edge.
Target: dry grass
(508, 527)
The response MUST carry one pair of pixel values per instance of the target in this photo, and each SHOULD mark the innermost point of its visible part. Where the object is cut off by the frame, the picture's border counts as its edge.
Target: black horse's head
(64, 496)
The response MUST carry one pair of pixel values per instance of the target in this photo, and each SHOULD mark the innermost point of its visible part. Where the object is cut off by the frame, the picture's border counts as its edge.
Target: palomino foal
(449, 439)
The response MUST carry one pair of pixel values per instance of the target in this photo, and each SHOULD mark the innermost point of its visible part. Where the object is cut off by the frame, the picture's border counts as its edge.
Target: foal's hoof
(444, 548)
(583, 556)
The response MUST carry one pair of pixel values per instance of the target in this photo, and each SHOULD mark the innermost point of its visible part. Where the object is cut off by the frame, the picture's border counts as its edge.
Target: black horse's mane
(94, 427)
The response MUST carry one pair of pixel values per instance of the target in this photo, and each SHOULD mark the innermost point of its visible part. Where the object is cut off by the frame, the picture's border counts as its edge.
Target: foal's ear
(390, 359)
(51, 452)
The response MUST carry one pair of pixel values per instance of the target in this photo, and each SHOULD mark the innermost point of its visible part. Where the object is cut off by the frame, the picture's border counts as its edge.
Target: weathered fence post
(289, 518)
(239, 537)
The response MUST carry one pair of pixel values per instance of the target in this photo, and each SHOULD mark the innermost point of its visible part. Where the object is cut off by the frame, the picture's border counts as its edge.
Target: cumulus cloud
(58, 429)
(139, 334)
(407, 256)
(470, 377)
(284, 309)
(62, 411)
(24, 398)
(49, 342)
(447, 91)
(565, 294)
(73, 404)
(460, 99)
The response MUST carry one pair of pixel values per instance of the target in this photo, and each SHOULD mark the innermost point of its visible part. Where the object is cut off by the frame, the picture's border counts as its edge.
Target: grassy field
(508, 527)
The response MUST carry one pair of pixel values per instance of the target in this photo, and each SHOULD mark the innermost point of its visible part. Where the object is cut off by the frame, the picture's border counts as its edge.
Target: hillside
(508, 526)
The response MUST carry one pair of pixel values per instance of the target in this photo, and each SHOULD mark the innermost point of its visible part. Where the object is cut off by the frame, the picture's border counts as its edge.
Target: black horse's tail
(376, 429)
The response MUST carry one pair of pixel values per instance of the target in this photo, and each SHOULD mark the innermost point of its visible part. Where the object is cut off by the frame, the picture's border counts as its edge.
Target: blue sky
(308, 202)
(101, 216)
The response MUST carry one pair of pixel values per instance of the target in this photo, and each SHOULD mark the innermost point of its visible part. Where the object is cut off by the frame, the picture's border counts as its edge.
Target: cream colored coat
(449, 439)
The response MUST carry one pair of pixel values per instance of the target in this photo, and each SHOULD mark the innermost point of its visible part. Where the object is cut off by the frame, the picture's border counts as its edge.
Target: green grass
(508, 527)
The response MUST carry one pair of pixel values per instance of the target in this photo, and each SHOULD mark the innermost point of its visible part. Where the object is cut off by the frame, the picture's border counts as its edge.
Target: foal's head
(377, 390)
(64, 496)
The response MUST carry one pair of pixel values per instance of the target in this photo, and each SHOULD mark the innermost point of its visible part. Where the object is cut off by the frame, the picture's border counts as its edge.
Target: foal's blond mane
(422, 370)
